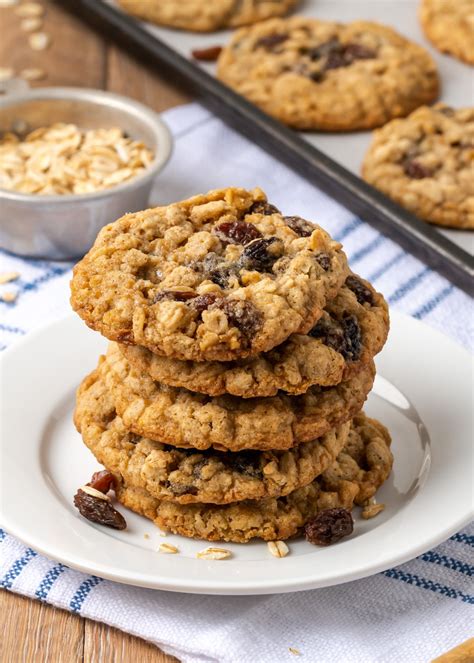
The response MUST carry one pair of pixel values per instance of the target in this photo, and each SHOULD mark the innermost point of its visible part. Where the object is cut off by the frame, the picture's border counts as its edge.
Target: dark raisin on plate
(329, 526)
(98, 510)
(102, 481)
(209, 54)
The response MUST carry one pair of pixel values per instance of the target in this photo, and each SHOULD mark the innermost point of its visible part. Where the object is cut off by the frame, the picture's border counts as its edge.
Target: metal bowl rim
(153, 119)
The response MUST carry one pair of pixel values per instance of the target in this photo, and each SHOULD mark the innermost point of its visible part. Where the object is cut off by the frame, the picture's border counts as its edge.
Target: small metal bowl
(61, 227)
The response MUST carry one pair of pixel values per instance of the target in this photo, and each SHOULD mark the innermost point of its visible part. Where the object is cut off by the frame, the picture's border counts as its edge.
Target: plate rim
(153, 580)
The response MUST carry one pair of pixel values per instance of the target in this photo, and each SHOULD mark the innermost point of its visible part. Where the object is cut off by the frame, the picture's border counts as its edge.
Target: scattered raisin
(361, 291)
(262, 207)
(237, 232)
(202, 303)
(174, 295)
(352, 338)
(329, 526)
(299, 226)
(207, 54)
(270, 41)
(260, 254)
(323, 260)
(98, 510)
(416, 170)
(243, 315)
(103, 481)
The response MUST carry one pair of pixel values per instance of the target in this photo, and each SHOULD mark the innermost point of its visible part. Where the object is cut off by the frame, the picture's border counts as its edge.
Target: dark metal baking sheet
(415, 236)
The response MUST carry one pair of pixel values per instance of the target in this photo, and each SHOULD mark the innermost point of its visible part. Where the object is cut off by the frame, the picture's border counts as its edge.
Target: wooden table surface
(33, 632)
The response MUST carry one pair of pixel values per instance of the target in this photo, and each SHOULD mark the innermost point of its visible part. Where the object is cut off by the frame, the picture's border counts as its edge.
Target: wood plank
(128, 76)
(76, 55)
(103, 644)
(34, 631)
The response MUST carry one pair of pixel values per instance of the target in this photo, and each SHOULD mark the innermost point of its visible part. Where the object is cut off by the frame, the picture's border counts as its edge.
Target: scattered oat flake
(6, 73)
(32, 74)
(31, 24)
(214, 553)
(372, 510)
(168, 548)
(278, 548)
(39, 41)
(93, 492)
(6, 277)
(146, 536)
(9, 297)
(294, 651)
(30, 10)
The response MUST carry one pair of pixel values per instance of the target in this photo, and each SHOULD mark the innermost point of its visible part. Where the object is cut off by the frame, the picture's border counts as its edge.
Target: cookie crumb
(146, 536)
(39, 41)
(372, 510)
(278, 548)
(294, 651)
(9, 297)
(168, 548)
(6, 277)
(214, 553)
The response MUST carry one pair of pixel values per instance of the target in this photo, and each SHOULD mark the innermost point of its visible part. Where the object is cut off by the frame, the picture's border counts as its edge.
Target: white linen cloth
(408, 614)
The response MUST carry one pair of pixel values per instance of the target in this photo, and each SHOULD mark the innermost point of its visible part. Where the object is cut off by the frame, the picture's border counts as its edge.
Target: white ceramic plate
(423, 394)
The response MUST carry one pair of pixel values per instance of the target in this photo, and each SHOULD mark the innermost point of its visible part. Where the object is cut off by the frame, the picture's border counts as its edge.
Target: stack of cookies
(228, 405)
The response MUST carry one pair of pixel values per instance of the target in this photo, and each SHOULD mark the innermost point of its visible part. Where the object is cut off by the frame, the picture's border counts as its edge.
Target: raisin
(361, 291)
(262, 207)
(133, 439)
(202, 303)
(217, 270)
(358, 52)
(237, 232)
(329, 526)
(270, 41)
(299, 226)
(207, 54)
(257, 256)
(103, 481)
(243, 315)
(316, 76)
(174, 295)
(352, 338)
(446, 110)
(323, 260)
(178, 489)
(245, 462)
(340, 55)
(416, 170)
(98, 510)
(331, 333)
(324, 49)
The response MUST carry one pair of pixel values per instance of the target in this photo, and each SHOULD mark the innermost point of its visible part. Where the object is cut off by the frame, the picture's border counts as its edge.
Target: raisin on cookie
(217, 277)
(351, 331)
(205, 16)
(328, 76)
(276, 518)
(449, 25)
(186, 419)
(187, 476)
(425, 163)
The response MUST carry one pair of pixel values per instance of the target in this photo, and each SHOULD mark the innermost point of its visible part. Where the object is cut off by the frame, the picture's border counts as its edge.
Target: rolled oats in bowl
(65, 159)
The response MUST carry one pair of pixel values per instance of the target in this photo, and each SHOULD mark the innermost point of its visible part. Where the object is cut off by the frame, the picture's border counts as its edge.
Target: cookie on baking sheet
(217, 277)
(186, 419)
(313, 74)
(425, 163)
(277, 518)
(351, 331)
(449, 24)
(206, 16)
(187, 476)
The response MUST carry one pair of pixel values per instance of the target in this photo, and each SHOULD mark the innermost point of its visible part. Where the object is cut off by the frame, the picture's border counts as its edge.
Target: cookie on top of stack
(228, 405)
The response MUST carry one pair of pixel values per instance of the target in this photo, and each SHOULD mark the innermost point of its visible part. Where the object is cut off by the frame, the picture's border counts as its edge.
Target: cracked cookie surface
(329, 76)
(425, 163)
(449, 25)
(205, 16)
(183, 418)
(351, 331)
(219, 277)
(188, 476)
(276, 518)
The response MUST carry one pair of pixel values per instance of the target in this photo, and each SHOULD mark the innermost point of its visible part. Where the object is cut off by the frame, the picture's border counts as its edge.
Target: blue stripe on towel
(16, 568)
(48, 581)
(423, 583)
(82, 592)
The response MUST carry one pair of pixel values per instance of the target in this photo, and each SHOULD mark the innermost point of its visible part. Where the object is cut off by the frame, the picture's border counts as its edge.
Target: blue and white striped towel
(408, 614)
